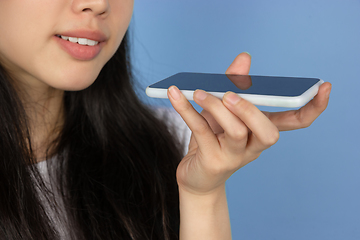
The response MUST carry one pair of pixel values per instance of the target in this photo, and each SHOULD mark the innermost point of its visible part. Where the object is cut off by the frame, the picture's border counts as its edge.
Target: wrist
(204, 215)
(211, 197)
(201, 205)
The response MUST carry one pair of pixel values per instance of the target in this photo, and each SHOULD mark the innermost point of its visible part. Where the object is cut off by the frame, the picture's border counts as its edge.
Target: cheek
(23, 24)
(121, 13)
(11, 44)
(25, 32)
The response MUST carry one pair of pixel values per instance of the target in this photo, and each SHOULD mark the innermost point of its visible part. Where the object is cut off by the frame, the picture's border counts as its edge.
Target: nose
(95, 7)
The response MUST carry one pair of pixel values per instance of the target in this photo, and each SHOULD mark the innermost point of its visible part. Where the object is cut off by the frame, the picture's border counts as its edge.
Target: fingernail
(232, 98)
(248, 54)
(174, 92)
(200, 94)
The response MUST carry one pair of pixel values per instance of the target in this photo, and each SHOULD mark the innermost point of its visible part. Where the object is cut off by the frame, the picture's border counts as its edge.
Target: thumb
(240, 65)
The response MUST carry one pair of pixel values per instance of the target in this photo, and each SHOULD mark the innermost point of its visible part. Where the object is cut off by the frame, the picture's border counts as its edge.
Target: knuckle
(238, 133)
(306, 124)
(202, 128)
(303, 121)
(271, 138)
(274, 137)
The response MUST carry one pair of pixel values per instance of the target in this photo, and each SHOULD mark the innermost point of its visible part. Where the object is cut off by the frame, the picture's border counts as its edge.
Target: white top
(58, 218)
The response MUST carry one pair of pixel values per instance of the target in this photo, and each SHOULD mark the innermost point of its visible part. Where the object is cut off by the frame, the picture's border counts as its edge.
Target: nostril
(92, 10)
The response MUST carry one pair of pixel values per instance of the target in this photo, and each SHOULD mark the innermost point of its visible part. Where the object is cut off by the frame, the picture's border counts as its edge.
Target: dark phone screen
(244, 84)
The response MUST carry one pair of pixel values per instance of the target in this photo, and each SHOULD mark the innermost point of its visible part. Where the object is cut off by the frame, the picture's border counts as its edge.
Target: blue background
(307, 185)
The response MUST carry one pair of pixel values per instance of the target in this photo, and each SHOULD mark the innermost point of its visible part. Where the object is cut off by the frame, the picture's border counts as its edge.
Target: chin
(78, 85)
(72, 83)
(76, 81)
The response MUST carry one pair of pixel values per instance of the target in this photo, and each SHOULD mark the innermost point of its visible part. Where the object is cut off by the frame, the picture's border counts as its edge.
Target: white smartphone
(290, 92)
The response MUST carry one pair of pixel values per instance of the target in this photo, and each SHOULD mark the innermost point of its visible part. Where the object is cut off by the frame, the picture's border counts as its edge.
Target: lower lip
(79, 52)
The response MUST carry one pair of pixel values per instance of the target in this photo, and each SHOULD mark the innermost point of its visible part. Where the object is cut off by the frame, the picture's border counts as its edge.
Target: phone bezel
(261, 100)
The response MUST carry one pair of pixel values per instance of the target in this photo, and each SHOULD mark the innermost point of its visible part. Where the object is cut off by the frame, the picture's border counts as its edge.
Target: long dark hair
(114, 166)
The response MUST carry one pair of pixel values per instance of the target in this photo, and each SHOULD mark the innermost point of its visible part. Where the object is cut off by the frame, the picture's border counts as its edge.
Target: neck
(44, 108)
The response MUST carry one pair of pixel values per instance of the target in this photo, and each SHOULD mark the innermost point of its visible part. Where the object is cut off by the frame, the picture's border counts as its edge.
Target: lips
(81, 45)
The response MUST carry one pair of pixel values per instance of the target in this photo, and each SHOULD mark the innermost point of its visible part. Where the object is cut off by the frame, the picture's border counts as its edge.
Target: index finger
(200, 128)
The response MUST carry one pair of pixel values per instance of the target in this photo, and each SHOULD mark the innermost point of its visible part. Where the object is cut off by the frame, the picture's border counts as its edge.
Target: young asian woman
(113, 169)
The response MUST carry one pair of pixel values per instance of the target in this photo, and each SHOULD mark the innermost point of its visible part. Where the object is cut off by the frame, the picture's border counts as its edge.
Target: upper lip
(95, 35)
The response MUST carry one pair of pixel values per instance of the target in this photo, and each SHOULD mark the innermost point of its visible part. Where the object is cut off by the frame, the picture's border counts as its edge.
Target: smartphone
(290, 92)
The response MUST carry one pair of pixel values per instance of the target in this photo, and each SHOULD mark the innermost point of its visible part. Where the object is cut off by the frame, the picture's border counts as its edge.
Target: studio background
(307, 185)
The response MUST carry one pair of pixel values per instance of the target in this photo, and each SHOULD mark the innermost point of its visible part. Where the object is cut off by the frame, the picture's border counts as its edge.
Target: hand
(227, 136)
(233, 134)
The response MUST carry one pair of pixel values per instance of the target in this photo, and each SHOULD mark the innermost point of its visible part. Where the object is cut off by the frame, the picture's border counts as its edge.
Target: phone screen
(242, 84)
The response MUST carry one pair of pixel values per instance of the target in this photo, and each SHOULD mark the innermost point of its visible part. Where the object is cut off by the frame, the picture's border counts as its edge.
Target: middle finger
(264, 132)
(235, 131)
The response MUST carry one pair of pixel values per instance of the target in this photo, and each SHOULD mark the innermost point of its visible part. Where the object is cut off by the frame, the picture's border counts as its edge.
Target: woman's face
(60, 43)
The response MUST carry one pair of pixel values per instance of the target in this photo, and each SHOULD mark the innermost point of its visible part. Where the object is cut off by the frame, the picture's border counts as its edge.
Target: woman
(113, 171)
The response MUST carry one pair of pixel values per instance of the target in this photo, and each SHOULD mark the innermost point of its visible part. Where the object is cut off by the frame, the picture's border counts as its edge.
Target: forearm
(204, 216)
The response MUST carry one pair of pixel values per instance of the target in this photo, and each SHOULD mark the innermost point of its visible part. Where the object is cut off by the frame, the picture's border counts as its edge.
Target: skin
(41, 68)
(227, 135)
(30, 52)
